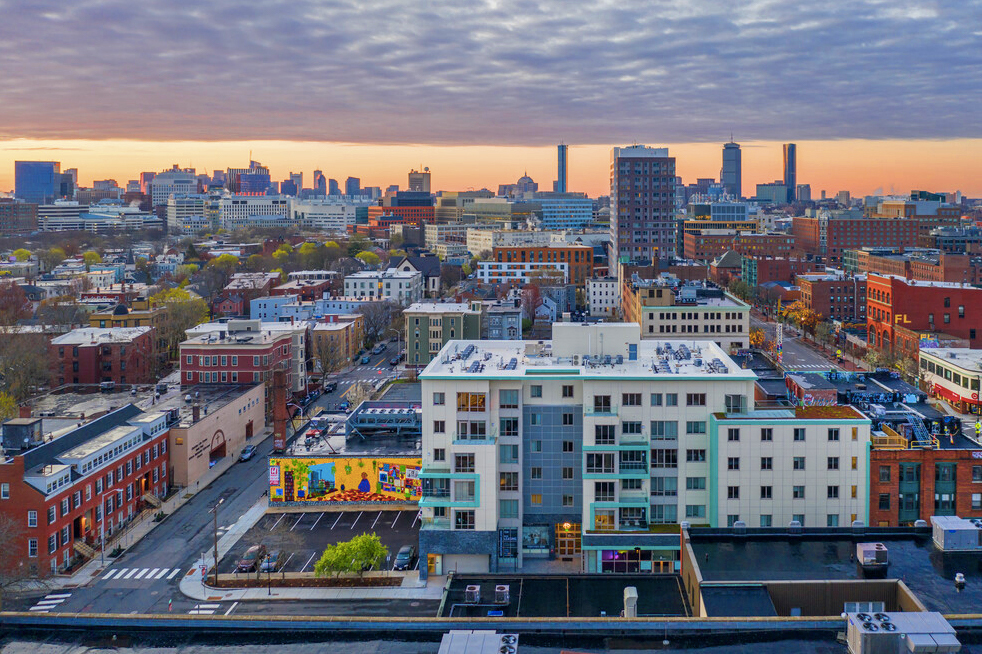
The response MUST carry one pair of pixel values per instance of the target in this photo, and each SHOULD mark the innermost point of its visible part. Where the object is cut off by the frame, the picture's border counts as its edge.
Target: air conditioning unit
(472, 594)
(502, 594)
(894, 633)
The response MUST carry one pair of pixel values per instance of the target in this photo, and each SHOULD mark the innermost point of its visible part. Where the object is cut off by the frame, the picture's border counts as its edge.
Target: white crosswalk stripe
(204, 609)
(142, 574)
(49, 602)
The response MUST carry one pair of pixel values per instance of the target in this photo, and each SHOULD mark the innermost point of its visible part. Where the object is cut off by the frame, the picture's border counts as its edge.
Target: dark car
(273, 561)
(248, 452)
(379, 349)
(248, 561)
(406, 558)
(344, 406)
(394, 361)
(330, 387)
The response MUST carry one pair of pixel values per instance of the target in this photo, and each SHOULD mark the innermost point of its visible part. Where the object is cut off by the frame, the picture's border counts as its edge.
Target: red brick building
(228, 304)
(70, 492)
(92, 355)
(307, 290)
(706, 245)
(579, 258)
(898, 311)
(756, 271)
(835, 296)
(922, 265)
(385, 216)
(236, 358)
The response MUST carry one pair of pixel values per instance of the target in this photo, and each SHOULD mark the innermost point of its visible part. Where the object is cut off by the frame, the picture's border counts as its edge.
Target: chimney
(24, 411)
(195, 413)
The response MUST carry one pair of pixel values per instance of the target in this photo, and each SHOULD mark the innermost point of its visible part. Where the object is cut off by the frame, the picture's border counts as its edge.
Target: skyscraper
(352, 186)
(642, 203)
(333, 188)
(37, 181)
(790, 170)
(319, 183)
(419, 180)
(561, 170)
(297, 179)
(731, 174)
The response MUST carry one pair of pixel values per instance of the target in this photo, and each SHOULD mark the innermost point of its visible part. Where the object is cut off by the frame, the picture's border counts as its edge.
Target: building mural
(353, 479)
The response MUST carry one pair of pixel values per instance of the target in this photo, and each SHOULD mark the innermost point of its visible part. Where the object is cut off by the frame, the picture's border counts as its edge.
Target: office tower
(73, 173)
(145, 180)
(561, 171)
(352, 186)
(176, 181)
(37, 181)
(642, 199)
(392, 189)
(804, 193)
(732, 173)
(289, 187)
(790, 170)
(319, 183)
(297, 179)
(333, 188)
(252, 180)
(419, 181)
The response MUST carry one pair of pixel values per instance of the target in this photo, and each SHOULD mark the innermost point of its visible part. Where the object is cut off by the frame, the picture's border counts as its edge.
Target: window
(508, 508)
(439, 399)
(32, 547)
(766, 492)
(695, 427)
(664, 459)
(732, 492)
(508, 453)
(798, 492)
(885, 501)
(665, 430)
(4, 491)
(52, 543)
(631, 399)
(567, 446)
(603, 434)
(51, 515)
(463, 463)
(833, 434)
(509, 426)
(671, 399)
(798, 463)
(535, 472)
(32, 518)
(833, 492)
(600, 463)
(567, 500)
(631, 428)
(695, 510)
(695, 456)
(695, 399)
(535, 391)
(508, 398)
(885, 473)
(832, 520)
(567, 419)
(656, 399)
(567, 390)
(535, 445)
(732, 434)
(662, 486)
(535, 418)
(799, 433)
(833, 463)
(766, 520)
(509, 481)
(735, 403)
(976, 501)
(536, 499)
(766, 434)
(472, 402)
(439, 454)
(439, 427)
(567, 473)
(695, 483)
(463, 519)
(601, 404)
(604, 491)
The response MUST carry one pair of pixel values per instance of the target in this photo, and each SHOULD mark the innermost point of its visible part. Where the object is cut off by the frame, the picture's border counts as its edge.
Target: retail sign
(274, 475)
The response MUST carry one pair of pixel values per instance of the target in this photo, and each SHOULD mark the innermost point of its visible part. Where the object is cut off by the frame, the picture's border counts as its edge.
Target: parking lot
(303, 537)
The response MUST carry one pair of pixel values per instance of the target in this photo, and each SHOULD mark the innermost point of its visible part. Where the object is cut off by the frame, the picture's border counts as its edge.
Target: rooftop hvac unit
(472, 594)
(502, 594)
(893, 633)
(872, 558)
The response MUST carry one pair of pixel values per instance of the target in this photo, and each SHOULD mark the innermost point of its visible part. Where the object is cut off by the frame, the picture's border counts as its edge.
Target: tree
(757, 338)
(356, 244)
(227, 263)
(368, 258)
(801, 315)
(311, 256)
(449, 276)
(378, 316)
(23, 363)
(531, 297)
(332, 251)
(361, 553)
(907, 366)
(396, 241)
(21, 254)
(15, 567)
(8, 406)
(14, 305)
(182, 313)
(61, 310)
(546, 276)
(90, 258)
(52, 257)
(329, 355)
(823, 333)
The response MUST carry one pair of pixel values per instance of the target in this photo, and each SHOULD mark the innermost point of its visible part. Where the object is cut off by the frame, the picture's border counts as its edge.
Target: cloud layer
(491, 71)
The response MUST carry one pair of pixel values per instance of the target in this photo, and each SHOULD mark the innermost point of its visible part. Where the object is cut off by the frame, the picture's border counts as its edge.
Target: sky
(877, 93)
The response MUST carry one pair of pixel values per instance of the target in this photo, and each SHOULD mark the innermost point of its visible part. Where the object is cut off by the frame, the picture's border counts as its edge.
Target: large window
(463, 519)
(695, 399)
(509, 481)
(601, 404)
(471, 402)
(604, 434)
(463, 463)
(508, 398)
(695, 427)
(604, 491)
(664, 430)
(509, 426)
(631, 399)
(600, 463)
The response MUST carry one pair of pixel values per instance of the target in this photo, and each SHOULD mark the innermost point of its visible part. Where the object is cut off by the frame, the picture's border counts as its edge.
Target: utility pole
(214, 511)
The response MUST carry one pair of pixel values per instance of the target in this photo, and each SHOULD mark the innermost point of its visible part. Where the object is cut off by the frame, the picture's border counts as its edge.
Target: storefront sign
(274, 475)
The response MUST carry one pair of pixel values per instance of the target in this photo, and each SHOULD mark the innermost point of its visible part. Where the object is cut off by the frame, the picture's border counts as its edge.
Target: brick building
(899, 313)
(91, 355)
(386, 216)
(238, 357)
(17, 218)
(756, 271)
(307, 290)
(835, 296)
(579, 258)
(921, 264)
(71, 491)
(706, 245)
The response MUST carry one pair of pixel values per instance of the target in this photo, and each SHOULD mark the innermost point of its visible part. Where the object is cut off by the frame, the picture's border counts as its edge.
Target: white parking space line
(376, 519)
(392, 526)
(288, 559)
(297, 522)
(337, 521)
(111, 574)
(277, 522)
(308, 561)
(173, 574)
(130, 573)
(356, 519)
(232, 608)
(416, 567)
(417, 518)
(40, 609)
(316, 521)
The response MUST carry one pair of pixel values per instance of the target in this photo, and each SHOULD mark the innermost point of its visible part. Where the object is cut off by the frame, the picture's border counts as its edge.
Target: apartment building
(834, 295)
(431, 325)
(395, 285)
(577, 258)
(603, 296)
(493, 272)
(573, 446)
(91, 355)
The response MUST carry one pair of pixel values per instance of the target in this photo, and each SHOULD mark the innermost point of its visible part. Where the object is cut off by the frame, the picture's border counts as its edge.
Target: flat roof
(98, 442)
(439, 307)
(209, 397)
(960, 357)
(97, 335)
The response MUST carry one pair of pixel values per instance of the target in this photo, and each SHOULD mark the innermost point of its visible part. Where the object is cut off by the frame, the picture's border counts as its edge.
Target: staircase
(922, 437)
(155, 502)
(84, 549)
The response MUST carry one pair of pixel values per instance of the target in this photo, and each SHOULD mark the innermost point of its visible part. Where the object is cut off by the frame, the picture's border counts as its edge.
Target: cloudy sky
(497, 72)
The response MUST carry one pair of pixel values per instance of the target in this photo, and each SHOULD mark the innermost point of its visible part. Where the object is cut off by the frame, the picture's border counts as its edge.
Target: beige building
(217, 423)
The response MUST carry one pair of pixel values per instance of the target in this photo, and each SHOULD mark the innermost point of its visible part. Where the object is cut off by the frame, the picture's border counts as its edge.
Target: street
(376, 369)
(797, 355)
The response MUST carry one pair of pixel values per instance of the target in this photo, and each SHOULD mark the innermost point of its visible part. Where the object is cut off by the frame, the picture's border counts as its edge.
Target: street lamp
(102, 524)
(214, 512)
(398, 341)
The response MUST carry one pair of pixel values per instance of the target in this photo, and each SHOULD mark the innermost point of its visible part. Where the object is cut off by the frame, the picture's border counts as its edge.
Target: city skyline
(863, 167)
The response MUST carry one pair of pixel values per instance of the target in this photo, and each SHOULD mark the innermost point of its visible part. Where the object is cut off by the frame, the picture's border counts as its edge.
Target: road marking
(287, 560)
(160, 574)
(308, 562)
(130, 573)
(297, 522)
(376, 519)
(110, 575)
(49, 603)
(62, 596)
(143, 572)
(173, 574)
(356, 519)
(398, 513)
(337, 521)
(416, 567)
(121, 573)
(277, 522)
(414, 521)
(40, 609)
(316, 521)
(207, 606)
(231, 608)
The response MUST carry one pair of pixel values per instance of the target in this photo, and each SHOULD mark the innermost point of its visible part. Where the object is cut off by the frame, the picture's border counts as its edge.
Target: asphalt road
(376, 369)
(797, 355)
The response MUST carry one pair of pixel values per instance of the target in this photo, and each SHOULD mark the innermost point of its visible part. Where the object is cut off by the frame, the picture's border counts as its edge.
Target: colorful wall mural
(305, 479)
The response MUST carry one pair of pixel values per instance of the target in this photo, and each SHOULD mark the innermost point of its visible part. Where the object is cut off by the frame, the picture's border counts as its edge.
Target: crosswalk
(49, 602)
(143, 574)
(813, 366)
(204, 609)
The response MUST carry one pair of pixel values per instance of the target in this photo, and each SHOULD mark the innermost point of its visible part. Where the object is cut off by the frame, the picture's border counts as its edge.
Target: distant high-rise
(145, 180)
(37, 181)
(561, 170)
(297, 179)
(252, 180)
(804, 193)
(352, 186)
(320, 183)
(419, 181)
(333, 188)
(642, 203)
(790, 170)
(731, 174)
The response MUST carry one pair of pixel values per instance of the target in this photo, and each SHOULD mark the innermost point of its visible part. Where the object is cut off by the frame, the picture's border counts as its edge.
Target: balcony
(600, 412)
(484, 439)
(633, 466)
(634, 439)
(435, 523)
(634, 500)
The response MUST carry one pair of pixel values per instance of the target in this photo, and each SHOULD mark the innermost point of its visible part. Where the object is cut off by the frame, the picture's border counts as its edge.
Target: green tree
(183, 313)
(362, 552)
(358, 243)
(21, 254)
(227, 263)
(91, 257)
(332, 251)
(51, 258)
(368, 258)
(8, 406)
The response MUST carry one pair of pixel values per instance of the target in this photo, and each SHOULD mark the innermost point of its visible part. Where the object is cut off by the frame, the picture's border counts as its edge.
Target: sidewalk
(138, 531)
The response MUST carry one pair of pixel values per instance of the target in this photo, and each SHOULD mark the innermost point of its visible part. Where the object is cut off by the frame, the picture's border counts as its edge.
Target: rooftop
(960, 357)
(920, 282)
(438, 307)
(98, 335)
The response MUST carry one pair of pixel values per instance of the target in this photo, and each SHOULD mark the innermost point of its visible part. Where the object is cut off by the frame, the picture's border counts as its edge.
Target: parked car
(248, 452)
(379, 349)
(394, 339)
(247, 563)
(366, 359)
(345, 406)
(330, 387)
(406, 558)
(273, 561)
(394, 361)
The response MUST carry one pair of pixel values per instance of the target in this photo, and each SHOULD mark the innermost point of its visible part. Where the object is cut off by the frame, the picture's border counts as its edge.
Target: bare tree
(14, 568)
(23, 363)
(14, 304)
(378, 316)
(329, 355)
